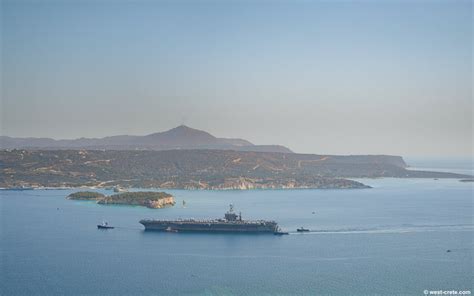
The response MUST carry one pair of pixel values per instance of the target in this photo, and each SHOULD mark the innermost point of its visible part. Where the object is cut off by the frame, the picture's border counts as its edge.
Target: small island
(86, 195)
(149, 199)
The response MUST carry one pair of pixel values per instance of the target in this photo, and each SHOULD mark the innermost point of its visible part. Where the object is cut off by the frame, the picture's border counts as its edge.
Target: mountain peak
(180, 137)
(184, 128)
(186, 131)
(183, 136)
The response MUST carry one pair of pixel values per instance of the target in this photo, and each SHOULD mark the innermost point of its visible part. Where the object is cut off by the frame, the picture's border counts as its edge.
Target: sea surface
(388, 240)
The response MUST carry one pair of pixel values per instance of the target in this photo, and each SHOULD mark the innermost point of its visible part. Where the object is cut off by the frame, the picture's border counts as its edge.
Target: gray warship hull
(230, 223)
(211, 226)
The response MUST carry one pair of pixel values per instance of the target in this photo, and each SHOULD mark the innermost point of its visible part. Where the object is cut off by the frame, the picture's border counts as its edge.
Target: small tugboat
(104, 225)
(301, 229)
(278, 231)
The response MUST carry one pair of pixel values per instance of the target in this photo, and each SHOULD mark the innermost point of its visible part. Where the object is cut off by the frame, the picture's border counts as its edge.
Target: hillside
(181, 137)
(205, 169)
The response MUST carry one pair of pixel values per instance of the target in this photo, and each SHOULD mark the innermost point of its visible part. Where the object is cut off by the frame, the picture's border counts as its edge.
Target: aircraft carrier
(230, 223)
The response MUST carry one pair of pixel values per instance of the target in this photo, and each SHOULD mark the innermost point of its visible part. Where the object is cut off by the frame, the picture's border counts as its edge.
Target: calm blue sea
(389, 240)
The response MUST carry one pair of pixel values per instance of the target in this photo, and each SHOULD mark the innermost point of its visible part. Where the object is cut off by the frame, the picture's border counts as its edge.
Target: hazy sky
(340, 77)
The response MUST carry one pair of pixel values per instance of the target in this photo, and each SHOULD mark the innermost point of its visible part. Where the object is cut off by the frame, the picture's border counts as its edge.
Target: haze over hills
(181, 137)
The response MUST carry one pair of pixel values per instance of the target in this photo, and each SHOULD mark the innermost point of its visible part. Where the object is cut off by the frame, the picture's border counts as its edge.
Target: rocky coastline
(149, 199)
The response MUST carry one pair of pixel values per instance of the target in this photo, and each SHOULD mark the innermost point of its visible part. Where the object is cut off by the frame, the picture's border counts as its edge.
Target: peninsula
(193, 163)
(197, 169)
(149, 199)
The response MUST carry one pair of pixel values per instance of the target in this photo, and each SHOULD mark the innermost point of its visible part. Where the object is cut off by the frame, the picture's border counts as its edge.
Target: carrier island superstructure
(230, 223)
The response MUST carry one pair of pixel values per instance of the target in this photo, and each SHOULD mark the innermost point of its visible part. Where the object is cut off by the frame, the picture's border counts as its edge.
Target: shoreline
(187, 189)
(360, 180)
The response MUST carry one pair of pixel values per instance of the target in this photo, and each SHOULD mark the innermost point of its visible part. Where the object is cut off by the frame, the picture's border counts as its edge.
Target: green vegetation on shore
(86, 195)
(148, 199)
(198, 169)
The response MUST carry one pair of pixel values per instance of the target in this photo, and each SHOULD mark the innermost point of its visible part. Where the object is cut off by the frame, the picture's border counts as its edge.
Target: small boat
(448, 251)
(301, 229)
(279, 231)
(184, 203)
(104, 225)
(169, 229)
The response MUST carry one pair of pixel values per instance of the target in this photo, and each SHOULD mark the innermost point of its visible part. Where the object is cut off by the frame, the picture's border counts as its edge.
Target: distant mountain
(181, 137)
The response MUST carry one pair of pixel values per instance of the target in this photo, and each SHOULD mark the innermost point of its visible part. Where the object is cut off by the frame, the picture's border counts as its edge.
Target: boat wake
(404, 228)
